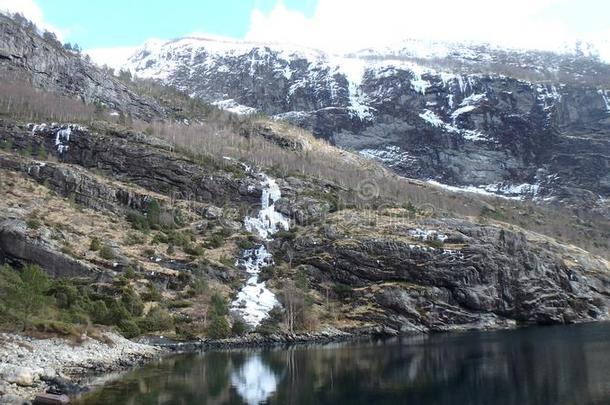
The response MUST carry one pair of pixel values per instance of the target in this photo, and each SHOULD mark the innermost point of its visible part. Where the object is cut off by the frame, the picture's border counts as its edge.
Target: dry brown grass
(221, 134)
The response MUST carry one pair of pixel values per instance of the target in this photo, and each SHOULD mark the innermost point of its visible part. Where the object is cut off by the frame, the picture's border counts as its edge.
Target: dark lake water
(550, 365)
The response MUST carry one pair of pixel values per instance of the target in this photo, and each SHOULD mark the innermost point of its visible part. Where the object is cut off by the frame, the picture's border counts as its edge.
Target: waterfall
(255, 300)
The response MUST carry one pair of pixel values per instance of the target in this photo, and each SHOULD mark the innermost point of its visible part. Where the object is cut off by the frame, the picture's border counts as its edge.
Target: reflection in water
(254, 381)
(554, 365)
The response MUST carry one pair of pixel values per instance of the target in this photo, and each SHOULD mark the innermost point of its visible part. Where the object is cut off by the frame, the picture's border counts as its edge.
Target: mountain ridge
(513, 109)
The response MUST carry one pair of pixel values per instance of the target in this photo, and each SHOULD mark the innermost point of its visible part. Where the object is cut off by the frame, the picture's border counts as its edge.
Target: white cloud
(32, 12)
(114, 57)
(343, 25)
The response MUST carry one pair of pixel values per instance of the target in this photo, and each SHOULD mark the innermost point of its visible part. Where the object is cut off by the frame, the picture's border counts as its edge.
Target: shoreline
(29, 366)
(253, 340)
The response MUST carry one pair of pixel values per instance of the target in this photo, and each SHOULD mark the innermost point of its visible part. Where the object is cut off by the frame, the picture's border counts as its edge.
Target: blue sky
(111, 23)
(112, 28)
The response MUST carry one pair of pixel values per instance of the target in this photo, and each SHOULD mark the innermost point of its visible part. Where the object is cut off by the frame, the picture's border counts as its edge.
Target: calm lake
(542, 365)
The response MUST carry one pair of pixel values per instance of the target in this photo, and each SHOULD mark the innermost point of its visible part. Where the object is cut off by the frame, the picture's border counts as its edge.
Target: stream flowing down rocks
(255, 300)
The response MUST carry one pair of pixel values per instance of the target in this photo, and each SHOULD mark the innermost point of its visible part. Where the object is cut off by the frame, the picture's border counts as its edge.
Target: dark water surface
(551, 365)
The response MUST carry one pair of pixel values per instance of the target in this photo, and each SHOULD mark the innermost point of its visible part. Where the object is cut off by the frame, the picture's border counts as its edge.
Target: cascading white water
(255, 300)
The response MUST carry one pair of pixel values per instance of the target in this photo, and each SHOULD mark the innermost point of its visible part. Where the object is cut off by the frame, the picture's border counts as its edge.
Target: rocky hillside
(387, 269)
(519, 124)
(26, 55)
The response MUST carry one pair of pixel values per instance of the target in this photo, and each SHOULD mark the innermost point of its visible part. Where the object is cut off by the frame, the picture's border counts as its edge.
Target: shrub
(270, 324)
(343, 290)
(129, 328)
(117, 313)
(58, 327)
(193, 250)
(138, 221)
(179, 304)
(134, 238)
(245, 244)
(130, 273)
(157, 320)
(149, 253)
(95, 244)
(25, 293)
(7, 145)
(239, 327)
(33, 223)
(42, 152)
(216, 241)
(487, 212)
(66, 294)
(159, 237)
(132, 302)
(199, 286)
(107, 253)
(435, 243)
(219, 327)
(219, 304)
(152, 214)
(286, 235)
(27, 151)
(152, 293)
(99, 312)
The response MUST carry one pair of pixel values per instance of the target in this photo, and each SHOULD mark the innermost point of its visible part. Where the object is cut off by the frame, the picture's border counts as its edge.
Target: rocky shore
(327, 335)
(29, 366)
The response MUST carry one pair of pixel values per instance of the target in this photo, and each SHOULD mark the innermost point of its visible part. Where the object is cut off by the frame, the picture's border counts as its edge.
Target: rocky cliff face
(26, 55)
(514, 123)
(473, 276)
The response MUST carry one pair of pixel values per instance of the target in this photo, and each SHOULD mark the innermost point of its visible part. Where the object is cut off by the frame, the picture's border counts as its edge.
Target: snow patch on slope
(234, 107)
(502, 190)
(390, 155)
(468, 134)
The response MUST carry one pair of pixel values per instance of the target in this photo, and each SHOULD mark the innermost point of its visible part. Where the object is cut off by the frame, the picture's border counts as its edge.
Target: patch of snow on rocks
(431, 118)
(390, 155)
(468, 134)
(502, 190)
(548, 95)
(427, 234)
(234, 107)
(606, 99)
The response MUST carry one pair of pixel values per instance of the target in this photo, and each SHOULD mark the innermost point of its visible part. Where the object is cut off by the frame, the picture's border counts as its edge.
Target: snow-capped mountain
(466, 115)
